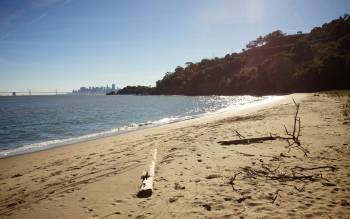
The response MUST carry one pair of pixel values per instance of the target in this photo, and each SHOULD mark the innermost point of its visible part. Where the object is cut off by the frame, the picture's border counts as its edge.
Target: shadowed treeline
(271, 64)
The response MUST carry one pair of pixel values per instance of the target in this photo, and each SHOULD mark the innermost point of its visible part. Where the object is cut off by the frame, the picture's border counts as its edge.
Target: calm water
(31, 123)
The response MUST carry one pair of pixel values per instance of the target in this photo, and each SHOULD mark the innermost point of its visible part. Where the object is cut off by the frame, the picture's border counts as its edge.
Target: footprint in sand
(56, 173)
(16, 175)
(119, 201)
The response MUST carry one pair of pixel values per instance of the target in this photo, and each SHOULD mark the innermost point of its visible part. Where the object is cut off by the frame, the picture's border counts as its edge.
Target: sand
(195, 176)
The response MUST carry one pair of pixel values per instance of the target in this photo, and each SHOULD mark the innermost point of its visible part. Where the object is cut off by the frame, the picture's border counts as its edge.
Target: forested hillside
(273, 64)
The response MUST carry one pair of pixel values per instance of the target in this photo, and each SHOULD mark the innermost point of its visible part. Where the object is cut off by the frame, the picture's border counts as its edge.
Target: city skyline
(64, 44)
(81, 90)
(97, 89)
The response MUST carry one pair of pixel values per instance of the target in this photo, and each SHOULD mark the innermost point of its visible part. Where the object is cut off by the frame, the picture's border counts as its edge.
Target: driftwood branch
(248, 140)
(293, 141)
(146, 188)
(287, 175)
(290, 174)
(292, 138)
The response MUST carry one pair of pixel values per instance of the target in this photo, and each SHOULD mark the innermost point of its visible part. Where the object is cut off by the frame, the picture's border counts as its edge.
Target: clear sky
(64, 44)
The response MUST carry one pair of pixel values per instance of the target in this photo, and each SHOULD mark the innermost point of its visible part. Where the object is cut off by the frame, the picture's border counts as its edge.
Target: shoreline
(127, 129)
(100, 178)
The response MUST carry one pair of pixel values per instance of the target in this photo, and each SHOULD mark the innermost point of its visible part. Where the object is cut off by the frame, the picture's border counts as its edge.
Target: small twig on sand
(295, 173)
(239, 135)
(301, 189)
(232, 179)
(332, 168)
(274, 199)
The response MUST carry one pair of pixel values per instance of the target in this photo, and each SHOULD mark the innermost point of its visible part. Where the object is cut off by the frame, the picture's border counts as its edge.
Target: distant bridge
(30, 92)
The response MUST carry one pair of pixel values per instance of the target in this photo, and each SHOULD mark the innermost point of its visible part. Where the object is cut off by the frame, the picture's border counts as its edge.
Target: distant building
(13, 93)
(113, 87)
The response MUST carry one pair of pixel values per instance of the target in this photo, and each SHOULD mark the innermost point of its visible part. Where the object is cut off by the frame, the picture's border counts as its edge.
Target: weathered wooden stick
(146, 188)
(248, 140)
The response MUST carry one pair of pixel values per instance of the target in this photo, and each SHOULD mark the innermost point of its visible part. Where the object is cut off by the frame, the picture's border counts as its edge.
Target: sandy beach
(196, 177)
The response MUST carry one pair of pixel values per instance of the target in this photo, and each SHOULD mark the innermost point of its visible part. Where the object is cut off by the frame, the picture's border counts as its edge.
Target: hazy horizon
(65, 44)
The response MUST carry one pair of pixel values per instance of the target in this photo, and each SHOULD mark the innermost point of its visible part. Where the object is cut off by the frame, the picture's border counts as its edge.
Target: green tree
(273, 37)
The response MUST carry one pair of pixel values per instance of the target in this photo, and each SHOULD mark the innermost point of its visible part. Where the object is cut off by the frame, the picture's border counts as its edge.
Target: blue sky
(64, 44)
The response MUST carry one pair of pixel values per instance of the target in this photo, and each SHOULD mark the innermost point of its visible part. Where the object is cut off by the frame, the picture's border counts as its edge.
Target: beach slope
(196, 177)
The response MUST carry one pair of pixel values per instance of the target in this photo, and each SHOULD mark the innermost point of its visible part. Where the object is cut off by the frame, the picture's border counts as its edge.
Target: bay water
(32, 123)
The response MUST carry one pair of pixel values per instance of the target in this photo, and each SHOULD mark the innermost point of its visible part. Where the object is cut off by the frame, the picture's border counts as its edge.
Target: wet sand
(196, 177)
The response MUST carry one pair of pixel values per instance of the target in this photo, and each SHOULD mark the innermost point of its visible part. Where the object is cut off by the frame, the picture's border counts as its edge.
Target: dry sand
(99, 178)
